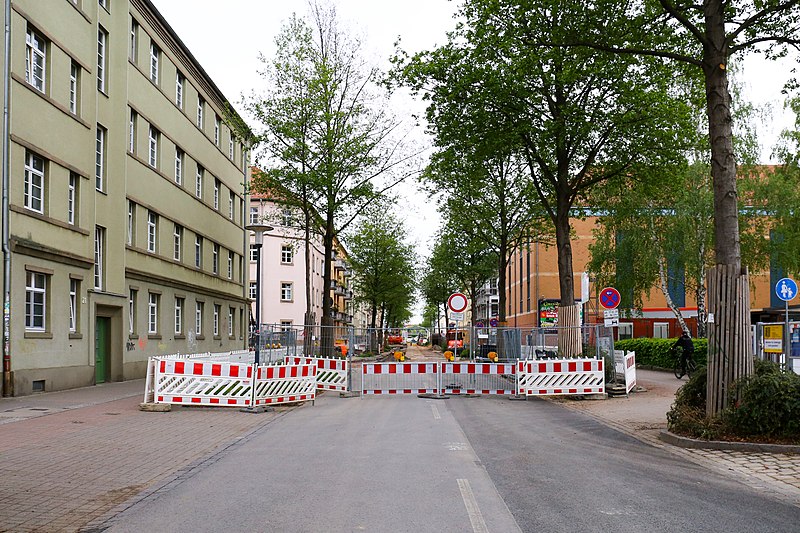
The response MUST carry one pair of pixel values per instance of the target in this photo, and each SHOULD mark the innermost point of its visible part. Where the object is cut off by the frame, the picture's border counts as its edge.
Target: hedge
(658, 353)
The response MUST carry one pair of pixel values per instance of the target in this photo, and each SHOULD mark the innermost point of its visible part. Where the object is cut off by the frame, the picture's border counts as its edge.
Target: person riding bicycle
(687, 349)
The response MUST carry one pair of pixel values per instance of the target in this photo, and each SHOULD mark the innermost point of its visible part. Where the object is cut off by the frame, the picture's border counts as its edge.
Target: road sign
(609, 298)
(458, 317)
(611, 313)
(493, 323)
(457, 302)
(786, 289)
(479, 324)
(611, 322)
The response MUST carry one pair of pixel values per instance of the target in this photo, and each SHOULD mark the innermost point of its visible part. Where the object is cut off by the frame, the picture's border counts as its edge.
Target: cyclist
(687, 349)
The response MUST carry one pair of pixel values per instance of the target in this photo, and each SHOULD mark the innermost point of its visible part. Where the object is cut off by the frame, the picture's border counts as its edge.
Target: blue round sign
(786, 289)
(493, 322)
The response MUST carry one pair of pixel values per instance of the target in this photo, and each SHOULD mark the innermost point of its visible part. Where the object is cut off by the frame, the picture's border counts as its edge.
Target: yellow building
(126, 205)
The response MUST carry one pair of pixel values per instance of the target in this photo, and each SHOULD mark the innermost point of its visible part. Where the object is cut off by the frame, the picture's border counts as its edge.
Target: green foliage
(658, 353)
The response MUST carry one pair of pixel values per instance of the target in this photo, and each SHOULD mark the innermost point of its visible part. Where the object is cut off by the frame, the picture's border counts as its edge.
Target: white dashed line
(475, 516)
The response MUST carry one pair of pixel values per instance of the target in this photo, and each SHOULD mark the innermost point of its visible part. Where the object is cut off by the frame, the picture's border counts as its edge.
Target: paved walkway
(73, 458)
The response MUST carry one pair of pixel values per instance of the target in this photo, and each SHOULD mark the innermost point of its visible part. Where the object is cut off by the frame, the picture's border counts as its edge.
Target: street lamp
(259, 230)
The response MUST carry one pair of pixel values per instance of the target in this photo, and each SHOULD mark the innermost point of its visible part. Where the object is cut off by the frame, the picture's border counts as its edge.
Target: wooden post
(729, 346)
(570, 342)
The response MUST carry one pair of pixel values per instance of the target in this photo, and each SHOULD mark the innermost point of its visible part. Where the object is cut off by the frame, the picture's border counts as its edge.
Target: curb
(686, 442)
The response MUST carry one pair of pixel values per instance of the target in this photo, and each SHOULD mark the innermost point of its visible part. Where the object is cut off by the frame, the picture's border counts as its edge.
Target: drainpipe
(5, 173)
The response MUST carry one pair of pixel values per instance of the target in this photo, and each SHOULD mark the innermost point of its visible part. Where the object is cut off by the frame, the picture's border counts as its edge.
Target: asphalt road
(458, 465)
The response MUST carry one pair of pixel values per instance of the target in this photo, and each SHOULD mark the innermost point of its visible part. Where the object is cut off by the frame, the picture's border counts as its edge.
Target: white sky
(227, 36)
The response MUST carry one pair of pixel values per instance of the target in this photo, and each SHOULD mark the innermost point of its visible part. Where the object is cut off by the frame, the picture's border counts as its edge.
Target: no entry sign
(457, 302)
(609, 298)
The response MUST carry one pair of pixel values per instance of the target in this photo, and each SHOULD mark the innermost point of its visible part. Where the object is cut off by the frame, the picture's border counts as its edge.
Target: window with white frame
(253, 291)
(230, 148)
(104, 4)
(153, 302)
(287, 254)
(178, 165)
(152, 231)
(660, 330)
(201, 104)
(177, 241)
(72, 198)
(102, 43)
(198, 319)
(99, 256)
(198, 251)
(132, 131)
(100, 158)
(180, 80)
(155, 59)
(34, 182)
(74, 292)
(153, 137)
(35, 60)
(215, 320)
(216, 194)
(286, 325)
(231, 204)
(132, 311)
(35, 301)
(286, 291)
(625, 330)
(286, 218)
(131, 221)
(231, 315)
(179, 315)
(253, 253)
(215, 259)
(230, 265)
(253, 215)
(216, 130)
(198, 182)
(133, 41)
(74, 76)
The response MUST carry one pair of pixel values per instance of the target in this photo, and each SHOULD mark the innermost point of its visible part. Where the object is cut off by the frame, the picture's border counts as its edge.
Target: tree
(575, 117)
(438, 282)
(331, 143)
(705, 36)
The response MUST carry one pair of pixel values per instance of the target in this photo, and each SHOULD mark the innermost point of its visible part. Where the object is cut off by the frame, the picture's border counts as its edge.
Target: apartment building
(126, 216)
(487, 303)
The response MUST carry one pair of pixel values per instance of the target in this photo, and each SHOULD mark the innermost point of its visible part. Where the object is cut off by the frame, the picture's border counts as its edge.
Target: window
(230, 148)
(134, 41)
(132, 311)
(216, 130)
(660, 330)
(244, 160)
(231, 315)
(253, 253)
(155, 58)
(179, 80)
(198, 251)
(287, 254)
(177, 239)
(74, 76)
(215, 321)
(35, 301)
(198, 318)
(230, 265)
(35, 59)
(152, 313)
(152, 142)
(152, 231)
(74, 291)
(178, 166)
(132, 132)
(286, 325)
(102, 39)
(99, 256)
(216, 194)
(253, 215)
(100, 158)
(178, 315)
(198, 182)
(231, 203)
(253, 291)
(34, 182)
(72, 198)
(200, 105)
(215, 259)
(131, 221)
(286, 292)
(625, 330)
(104, 4)
(286, 217)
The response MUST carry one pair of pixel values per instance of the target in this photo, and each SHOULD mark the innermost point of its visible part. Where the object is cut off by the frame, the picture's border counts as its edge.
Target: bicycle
(691, 366)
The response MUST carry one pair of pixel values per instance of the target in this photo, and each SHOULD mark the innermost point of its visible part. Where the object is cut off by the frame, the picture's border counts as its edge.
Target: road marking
(436, 414)
(475, 516)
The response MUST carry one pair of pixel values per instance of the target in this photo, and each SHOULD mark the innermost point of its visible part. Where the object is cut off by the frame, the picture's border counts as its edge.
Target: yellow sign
(773, 339)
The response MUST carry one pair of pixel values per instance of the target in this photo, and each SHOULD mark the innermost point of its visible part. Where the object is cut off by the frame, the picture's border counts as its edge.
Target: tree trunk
(327, 329)
(569, 332)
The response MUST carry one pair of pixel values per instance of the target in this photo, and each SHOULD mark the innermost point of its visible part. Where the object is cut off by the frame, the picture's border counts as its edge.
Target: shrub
(658, 353)
(769, 403)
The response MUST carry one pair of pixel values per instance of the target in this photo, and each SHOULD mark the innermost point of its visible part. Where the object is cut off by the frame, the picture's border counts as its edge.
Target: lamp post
(259, 230)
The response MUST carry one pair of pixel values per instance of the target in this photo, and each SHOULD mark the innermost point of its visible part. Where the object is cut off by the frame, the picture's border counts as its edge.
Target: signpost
(786, 290)
(457, 303)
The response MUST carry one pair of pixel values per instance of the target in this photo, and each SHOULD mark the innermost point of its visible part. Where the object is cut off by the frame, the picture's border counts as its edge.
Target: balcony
(339, 265)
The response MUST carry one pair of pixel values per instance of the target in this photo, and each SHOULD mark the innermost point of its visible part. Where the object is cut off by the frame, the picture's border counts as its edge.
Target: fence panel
(478, 378)
(561, 377)
(331, 372)
(187, 382)
(285, 384)
(399, 378)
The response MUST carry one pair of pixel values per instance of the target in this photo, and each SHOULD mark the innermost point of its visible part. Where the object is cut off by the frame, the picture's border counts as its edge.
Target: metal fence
(770, 343)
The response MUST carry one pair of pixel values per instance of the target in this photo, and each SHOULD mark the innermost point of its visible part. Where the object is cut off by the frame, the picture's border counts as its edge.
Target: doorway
(102, 348)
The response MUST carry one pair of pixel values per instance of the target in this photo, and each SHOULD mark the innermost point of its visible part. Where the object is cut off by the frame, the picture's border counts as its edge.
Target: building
(126, 216)
(487, 302)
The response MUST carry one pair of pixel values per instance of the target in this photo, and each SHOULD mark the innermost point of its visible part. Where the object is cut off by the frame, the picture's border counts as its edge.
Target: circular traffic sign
(609, 298)
(786, 289)
(457, 302)
(493, 322)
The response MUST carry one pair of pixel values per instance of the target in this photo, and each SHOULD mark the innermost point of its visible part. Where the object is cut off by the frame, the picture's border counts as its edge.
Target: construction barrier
(400, 378)
(478, 378)
(630, 371)
(561, 377)
(331, 372)
(285, 384)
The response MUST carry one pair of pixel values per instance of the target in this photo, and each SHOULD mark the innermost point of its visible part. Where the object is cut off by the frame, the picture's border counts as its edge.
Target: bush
(658, 353)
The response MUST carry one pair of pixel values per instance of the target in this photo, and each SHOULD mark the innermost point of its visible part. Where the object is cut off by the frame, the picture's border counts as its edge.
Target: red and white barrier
(285, 384)
(478, 378)
(331, 372)
(399, 378)
(630, 371)
(561, 377)
(187, 382)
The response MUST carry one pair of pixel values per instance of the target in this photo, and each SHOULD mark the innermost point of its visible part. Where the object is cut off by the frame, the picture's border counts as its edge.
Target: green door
(102, 347)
